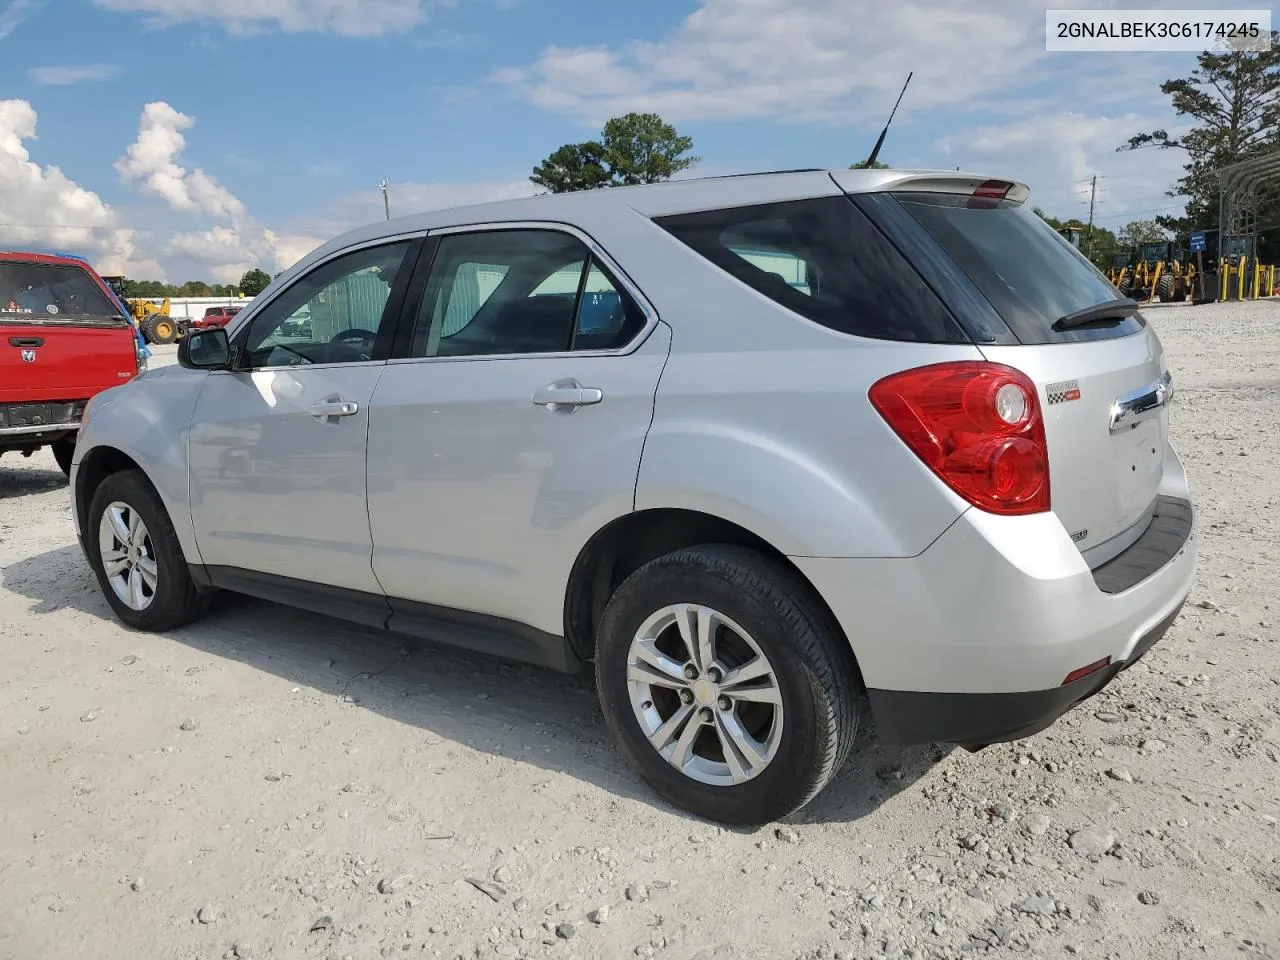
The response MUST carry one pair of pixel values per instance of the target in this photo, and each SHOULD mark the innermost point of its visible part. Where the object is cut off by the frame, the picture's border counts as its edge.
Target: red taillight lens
(976, 425)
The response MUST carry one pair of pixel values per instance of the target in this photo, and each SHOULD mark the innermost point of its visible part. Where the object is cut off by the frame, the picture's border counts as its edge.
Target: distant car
(214, 317)
(63, 340)
(759, 447)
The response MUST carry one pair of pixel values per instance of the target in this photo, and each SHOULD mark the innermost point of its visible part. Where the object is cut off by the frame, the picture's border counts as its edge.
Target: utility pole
(386, 201)
(1093, 194)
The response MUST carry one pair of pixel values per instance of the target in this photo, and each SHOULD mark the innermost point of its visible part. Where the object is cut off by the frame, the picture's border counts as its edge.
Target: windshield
(1032, 275)
(51, 290)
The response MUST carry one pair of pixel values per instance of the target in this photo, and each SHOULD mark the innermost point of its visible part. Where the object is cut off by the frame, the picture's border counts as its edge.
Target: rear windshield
(1032, 275)
(44, 290)
(824, 260)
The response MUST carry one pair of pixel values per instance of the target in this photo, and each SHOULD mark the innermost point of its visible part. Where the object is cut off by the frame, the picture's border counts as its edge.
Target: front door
(278, 444)
(513, 429)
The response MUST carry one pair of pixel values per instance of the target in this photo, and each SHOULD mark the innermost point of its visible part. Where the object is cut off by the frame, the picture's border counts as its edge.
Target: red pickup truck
(63, 339)
(214, 317)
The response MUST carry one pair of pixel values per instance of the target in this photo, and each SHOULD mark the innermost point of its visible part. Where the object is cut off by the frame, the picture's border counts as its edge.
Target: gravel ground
(269, 783)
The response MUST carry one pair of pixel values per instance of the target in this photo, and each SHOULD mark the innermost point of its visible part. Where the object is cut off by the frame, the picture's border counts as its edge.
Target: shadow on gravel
(514, 711)
(21, 483)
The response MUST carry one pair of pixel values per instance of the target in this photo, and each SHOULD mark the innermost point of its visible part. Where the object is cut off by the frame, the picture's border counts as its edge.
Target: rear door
(509, 429)
(1103, 383)
(61, 338)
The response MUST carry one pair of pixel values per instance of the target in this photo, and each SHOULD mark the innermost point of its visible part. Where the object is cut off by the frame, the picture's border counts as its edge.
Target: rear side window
(1029, 273)
(826, 261)
(51, 290)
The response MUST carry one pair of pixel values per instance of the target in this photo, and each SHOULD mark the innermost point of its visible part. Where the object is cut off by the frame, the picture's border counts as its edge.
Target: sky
(195, 139)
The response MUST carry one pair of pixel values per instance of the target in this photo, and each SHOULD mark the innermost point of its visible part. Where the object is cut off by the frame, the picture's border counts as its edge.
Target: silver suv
(760, 448)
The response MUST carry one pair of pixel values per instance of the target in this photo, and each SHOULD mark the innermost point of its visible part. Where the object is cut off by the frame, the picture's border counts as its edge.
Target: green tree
(636, 148)
(254, 282)
(1141, 231)
(862, 165)
(1232, 99)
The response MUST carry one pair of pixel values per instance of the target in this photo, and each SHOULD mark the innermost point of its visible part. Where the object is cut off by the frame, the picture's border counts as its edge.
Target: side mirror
(205, 350)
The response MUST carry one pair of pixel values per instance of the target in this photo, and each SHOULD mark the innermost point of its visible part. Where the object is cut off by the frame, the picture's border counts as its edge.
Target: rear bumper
(978, 719)
(971, 641)
(35, 424)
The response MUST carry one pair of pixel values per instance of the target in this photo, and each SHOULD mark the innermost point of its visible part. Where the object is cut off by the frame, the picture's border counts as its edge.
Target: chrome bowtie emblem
(28, 356)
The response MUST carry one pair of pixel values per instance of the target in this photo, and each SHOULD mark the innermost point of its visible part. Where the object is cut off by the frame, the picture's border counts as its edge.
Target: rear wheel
(135, 553)
(62, 452)
(1165, 288)
(725, 684)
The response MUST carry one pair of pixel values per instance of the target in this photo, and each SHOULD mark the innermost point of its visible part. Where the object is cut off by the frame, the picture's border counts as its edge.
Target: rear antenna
(875, 151)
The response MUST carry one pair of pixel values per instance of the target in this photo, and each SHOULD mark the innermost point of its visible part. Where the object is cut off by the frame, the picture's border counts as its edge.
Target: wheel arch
(95, 466)
(627, 543)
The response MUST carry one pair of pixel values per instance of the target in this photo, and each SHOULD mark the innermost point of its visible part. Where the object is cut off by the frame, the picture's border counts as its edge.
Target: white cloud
(152, 160)
(352, 18)
(227, 252)
(67, 76)
(15, 12)
(805, 60)
(1058, 153)
(42, 207)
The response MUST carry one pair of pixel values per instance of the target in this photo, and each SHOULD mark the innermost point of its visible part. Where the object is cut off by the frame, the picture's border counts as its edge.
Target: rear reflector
(1083, 672)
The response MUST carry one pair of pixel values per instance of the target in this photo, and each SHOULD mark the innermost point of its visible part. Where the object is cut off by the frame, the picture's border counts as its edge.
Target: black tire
(147, 327)
(815, 671)
(1126, 286)
(175, 601)
(1164, 289)
(62, 452)
(163, 329)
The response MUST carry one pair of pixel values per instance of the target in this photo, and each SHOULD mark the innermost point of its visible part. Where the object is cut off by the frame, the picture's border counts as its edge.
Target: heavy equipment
(1241, 273)
(1120, 273)
(150, 314)
(1160, 270)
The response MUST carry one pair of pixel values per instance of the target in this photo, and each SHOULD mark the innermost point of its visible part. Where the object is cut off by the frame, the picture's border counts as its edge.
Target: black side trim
(905, 717)
(482, 633)
(456, 628)
(1163, 540)
(351, 605)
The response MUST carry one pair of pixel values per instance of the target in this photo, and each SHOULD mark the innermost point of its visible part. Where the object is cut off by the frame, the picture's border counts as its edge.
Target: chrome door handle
(567, 393)
(334, 408)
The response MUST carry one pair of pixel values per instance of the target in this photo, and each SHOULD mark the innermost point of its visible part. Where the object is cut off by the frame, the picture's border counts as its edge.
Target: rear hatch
(61, 338)
(1098, 366)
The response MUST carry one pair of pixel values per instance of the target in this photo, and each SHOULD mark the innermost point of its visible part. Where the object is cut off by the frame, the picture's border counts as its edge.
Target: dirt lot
(269, 783)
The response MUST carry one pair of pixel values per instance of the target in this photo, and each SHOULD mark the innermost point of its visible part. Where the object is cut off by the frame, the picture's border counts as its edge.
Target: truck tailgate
(63, 360)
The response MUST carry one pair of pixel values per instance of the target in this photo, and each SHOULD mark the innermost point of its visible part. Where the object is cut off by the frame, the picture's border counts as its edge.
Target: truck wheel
(727, 687)
(1126, 286)
(1165, 288)
(135, 554)
(146, 328)
(163, 330)
(62, 452)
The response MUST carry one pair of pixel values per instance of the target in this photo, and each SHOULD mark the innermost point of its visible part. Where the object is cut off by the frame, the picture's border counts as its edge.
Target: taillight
(976, 425)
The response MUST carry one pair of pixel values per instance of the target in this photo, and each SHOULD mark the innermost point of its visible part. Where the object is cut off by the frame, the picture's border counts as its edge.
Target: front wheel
(725, 684)
(135, 553)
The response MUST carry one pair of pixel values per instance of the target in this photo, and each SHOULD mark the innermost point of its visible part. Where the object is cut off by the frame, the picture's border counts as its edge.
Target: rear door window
(1031, 275)
(824, 260)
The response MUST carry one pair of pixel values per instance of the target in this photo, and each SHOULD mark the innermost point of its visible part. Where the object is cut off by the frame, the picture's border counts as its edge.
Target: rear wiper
(1111, 310)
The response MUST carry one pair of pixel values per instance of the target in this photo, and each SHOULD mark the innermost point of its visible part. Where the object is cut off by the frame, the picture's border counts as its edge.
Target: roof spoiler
(932, 181)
